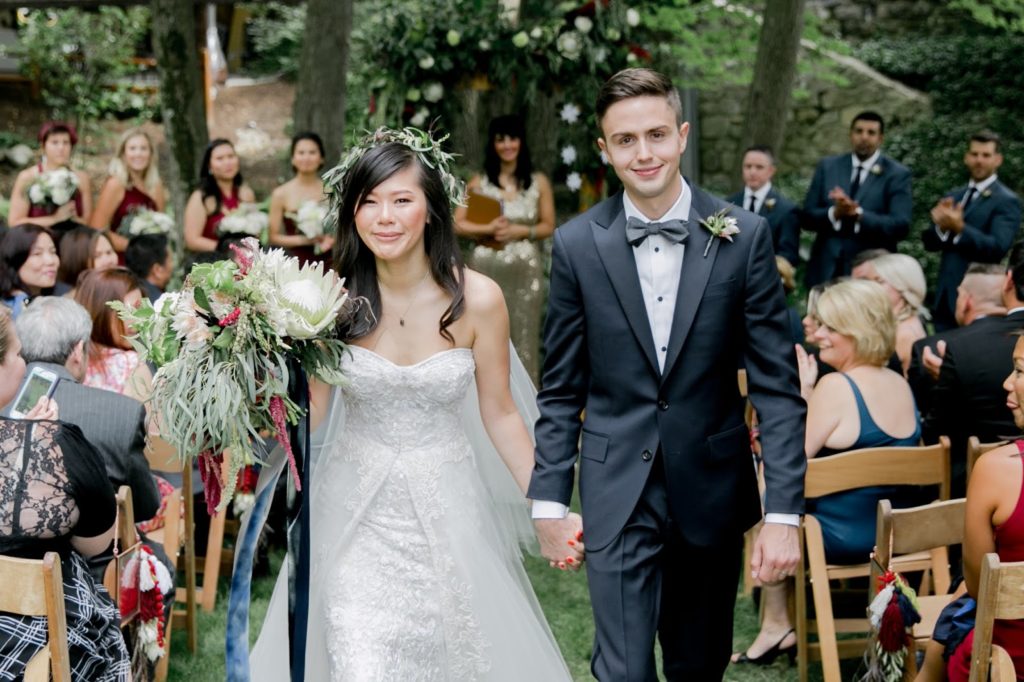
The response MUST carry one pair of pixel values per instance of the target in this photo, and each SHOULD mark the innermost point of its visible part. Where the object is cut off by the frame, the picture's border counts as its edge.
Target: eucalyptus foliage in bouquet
(309, 219)
(53, 188)
(149, 222)
(224, 347)
(246, 219)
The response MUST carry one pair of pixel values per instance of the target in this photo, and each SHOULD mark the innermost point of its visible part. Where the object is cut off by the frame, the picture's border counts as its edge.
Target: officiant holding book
(516, 212)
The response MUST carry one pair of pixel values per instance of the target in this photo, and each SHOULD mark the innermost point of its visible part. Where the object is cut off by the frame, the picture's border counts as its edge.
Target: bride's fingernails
(561, 565)
(571, 543)
(579, 535)
(570, 560)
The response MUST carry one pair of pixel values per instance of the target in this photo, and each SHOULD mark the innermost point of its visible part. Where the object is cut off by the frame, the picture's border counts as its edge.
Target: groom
(650, 316)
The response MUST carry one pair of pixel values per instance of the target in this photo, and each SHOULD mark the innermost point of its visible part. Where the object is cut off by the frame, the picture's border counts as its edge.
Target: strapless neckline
(415, 364)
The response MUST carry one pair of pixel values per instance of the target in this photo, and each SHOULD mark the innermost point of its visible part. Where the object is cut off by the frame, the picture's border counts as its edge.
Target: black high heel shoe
(769, 656)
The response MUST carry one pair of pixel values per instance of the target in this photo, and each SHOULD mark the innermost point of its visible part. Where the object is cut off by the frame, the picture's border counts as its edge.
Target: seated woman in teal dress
(862, 404)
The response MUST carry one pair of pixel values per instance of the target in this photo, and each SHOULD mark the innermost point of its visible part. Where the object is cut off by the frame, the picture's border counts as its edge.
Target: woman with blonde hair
(904, 283)
(133, 184)
(862, 404)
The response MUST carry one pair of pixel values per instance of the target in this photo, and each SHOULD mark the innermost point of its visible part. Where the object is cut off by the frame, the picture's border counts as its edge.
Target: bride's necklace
(412, 301)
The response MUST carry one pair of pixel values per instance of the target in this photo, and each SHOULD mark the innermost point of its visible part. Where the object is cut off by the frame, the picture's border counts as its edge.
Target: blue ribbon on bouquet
(237, 634)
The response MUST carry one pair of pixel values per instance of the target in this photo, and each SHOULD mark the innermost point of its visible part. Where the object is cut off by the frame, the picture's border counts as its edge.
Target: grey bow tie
(673, 230)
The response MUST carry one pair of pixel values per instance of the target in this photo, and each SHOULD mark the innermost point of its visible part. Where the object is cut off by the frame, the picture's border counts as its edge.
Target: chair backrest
(1000, 597)
(923, 465)
(975, 449)
(35, 588)
(933, 526)
(1002, 669)
(128, 543)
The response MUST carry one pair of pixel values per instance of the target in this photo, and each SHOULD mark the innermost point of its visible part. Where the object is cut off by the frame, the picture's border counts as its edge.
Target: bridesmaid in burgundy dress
(220, 191)
(57, 139)
(133, 184)
(305, 187)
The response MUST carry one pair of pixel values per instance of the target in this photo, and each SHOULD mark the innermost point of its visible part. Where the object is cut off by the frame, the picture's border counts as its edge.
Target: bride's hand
(561, 541)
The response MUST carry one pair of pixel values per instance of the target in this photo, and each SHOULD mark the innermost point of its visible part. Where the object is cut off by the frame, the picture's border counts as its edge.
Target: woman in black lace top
(55, 496)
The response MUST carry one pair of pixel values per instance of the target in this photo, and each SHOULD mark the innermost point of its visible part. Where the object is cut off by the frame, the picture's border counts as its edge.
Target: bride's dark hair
(354, 261)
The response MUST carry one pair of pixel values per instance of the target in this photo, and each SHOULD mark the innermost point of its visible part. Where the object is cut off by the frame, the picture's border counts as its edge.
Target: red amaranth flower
(230, 318)
(277, 414)
(243, 257)
(209, 472)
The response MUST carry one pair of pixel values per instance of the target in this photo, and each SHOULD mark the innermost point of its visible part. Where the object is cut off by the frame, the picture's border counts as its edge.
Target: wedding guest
(28, 266)
(904, 283)
(862, 404)
(976, 223)
(84, 248)
(305, 188)
(56, 498)
(856, 201)
(509, 251)
(149, 258)
(221, 190)
(133, 184)
(113, 364)
(993, 522)
(57, 140)
(761, 197)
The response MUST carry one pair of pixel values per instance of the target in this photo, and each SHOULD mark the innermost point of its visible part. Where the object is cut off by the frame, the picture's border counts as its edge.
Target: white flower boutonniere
(720, 225)
(876, 169)
(769, 203)
(986, 194)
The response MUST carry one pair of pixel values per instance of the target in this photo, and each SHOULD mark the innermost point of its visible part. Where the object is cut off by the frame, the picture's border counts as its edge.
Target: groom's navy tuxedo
(667, 482)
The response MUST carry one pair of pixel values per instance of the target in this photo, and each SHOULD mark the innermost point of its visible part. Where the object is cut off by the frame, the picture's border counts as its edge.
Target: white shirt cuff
(943, 235)
(784, 519)
(546, 509)
(956, 237)
(836, 224)
(856, 225)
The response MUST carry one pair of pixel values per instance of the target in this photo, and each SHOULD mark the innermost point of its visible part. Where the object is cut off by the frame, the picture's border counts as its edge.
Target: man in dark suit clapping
(855, 202)
(760, 196)
(972, 224)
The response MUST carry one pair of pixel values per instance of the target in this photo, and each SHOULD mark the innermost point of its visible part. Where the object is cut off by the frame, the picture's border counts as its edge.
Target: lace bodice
(523, 208)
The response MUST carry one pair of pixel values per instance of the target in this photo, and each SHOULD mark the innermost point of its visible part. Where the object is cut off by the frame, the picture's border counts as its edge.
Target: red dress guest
(287, 200)
(220, 190)
(57, 140)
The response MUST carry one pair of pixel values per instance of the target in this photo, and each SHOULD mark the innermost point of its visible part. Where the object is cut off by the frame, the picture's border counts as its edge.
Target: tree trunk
(181, 94)
(323, 70)
(774, 74)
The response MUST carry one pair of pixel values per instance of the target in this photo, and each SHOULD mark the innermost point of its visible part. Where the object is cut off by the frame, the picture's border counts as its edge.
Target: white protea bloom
(570, 113)
(583, 24)
(570, 45)
(573, 181)
(568, 154)
(426, 62)
(632, 17)
(309, 298)
(433, 92)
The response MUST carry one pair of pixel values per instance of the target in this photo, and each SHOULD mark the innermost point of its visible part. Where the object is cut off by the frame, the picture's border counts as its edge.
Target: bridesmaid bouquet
(146, 221)
(224, 348)
(309, 219)
(246, 219)
(54, 188)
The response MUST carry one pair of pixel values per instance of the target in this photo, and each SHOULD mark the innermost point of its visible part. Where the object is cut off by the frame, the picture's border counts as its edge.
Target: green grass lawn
(563, 596)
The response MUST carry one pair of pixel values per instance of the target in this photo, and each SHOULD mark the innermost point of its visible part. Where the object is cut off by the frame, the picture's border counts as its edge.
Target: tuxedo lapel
(694, 276)
(617, 257)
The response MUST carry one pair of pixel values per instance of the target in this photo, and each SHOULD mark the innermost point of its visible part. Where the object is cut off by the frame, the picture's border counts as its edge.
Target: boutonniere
(986, 194)
(720, 225)
(876, 169)
(769, 203)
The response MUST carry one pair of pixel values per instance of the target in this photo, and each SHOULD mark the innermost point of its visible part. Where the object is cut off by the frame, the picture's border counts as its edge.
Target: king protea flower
(309, 298)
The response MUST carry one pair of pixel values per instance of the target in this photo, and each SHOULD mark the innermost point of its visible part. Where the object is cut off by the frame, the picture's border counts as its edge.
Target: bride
(416, 573)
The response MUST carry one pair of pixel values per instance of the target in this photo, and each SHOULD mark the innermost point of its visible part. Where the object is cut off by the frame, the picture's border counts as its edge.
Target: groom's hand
(776, 553)
(561, 541)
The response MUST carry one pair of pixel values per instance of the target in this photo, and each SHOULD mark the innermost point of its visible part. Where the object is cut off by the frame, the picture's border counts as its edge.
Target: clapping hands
(948, 216)
(561, 541)
(845, 207)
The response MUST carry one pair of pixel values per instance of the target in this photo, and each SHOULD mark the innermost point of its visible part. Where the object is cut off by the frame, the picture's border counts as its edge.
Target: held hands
(776, 553)
(65, 212)
(845, 207)
(948, 216)
(561, 541)
(807, 364)
(46, 408)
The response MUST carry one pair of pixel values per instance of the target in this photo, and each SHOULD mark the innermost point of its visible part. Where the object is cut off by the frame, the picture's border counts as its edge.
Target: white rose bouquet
(225, 347)
(246, 219)
(148, 222)
(309, 219)
(53, 188)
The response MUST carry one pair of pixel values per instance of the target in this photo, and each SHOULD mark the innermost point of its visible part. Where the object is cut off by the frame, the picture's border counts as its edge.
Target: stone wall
(861, 19)
(817, 123)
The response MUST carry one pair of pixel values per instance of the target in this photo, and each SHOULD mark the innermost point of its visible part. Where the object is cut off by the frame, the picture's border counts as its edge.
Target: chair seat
(929, 608)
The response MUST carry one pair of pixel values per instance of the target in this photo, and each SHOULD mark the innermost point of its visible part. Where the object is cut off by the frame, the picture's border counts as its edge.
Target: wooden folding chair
(925, 465)
(975, 449)
(128, 544)
(931, 529)
(1001, 669)
(1000, 597)
(36, 588)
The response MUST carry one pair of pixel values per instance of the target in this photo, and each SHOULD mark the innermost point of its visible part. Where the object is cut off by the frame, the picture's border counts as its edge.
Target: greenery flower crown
(426, 146)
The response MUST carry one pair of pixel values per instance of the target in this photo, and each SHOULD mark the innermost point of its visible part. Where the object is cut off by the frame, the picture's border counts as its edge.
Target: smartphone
(40, 382)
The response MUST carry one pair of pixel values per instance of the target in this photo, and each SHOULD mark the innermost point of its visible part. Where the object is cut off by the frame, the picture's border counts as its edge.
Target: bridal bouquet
(54, 188)
(309, 219)
(149, 222)
(246, 219)
(223, 347)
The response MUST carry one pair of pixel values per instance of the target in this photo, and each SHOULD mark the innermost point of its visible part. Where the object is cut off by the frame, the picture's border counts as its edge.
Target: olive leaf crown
(427, 147)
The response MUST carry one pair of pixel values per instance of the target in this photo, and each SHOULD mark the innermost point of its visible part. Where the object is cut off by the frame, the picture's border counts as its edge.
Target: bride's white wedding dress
(416, 573)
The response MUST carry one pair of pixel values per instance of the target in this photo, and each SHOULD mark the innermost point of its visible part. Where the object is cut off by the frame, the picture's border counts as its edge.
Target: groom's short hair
(630, 83)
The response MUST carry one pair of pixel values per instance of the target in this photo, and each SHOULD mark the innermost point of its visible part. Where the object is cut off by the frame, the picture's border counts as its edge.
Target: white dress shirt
(979, 188)
(759, 196)
(865, 168)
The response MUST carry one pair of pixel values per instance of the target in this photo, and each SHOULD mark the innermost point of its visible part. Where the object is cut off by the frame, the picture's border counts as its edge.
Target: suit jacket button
(662, 405)
(646, 455)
